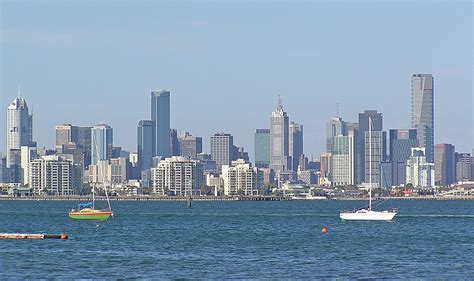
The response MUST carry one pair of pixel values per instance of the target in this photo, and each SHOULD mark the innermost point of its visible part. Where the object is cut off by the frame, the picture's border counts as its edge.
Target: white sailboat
(367, 214)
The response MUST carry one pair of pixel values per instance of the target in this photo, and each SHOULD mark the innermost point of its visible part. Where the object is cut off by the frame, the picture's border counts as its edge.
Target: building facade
(295, 144)
(376, 125)
(419, 172)
(342, 163)
(19, 129)
(279, 140)
(375, 154)
(445, 164)
(241, 178)
(222, 145)
(160, 115)
(101, 143)
(334, 127)
(463, 167)
(145, 144)
(422, 111)
(262, 148)
(53, 175)
(189, 145)
(177, 176)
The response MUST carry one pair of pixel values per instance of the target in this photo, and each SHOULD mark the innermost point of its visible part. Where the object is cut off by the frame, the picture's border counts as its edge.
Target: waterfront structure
(101, 143)
(419, 172)
(422, 111)
(445, 164)
(160, 115)
(222, 149)
(463, 167)
(378, 145)
(190, 146)
(174, 143)
(177, 175)
(279, 140)
(52, 175)
(334, 127)
(308, 176)
(145, 144)
(19, 129)
(262, 148)
(377, 125)
(241, 178)
(295, 144)
(342, 162)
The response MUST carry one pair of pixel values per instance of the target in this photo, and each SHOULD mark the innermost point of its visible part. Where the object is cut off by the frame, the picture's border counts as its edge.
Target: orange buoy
(64, 236)
(324, 230)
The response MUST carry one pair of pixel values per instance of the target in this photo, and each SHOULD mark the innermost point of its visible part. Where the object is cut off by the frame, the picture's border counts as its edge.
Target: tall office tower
(28, 153)
(101, 143)
(174, 143)
(279, 140)
(342, 163)
(262, 148)
(401, 143)
(177, 175)
(241, 178)
(221, 149)
(65, 134)
(377, 125)
(145, 144)
(445, 164)
(190, 146)
(53, 175)
(422, 111)
(19, 129)
(334, 127)
(84, 142)
(420, 173)
(325, 163)
(463, 167)
(296, 144)
(160, 115)
(375, 151)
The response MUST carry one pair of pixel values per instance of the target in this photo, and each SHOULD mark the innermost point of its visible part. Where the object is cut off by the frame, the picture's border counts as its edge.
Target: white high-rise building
(28, 154)
(52, 175)
(279, 140)
(343, 158)
(419, 172)
(241, 178)
(177, 175)
(19, 129)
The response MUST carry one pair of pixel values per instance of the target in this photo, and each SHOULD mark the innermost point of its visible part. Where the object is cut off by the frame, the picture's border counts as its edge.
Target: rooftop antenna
(280, 103)
(19, 90)
(337, 109)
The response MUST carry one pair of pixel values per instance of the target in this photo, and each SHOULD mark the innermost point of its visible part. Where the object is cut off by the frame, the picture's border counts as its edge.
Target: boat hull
(368, 216)
(90, 216)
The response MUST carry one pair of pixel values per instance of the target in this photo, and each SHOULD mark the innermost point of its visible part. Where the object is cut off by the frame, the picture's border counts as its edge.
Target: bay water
(239, 240)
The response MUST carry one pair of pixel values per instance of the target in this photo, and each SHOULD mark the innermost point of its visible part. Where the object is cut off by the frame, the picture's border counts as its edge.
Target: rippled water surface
(429, 239)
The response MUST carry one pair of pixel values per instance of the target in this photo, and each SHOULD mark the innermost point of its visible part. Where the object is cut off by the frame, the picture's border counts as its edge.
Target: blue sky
(226, 62)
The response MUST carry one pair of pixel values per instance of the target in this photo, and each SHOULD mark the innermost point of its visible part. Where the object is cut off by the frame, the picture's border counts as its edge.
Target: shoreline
(223, 198)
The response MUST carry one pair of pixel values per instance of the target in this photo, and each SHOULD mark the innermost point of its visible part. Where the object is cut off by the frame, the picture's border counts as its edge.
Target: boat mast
(370, 163)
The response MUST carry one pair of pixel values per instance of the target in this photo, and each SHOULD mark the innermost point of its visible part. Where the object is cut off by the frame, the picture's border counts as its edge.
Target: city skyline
(307, 86)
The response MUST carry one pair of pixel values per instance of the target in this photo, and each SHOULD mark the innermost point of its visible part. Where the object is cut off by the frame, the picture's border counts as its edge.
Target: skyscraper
(334, 127)
(445, 164)
(221, 149)
(463, 167)
(419, 172)
(65, 133)
(101, 143)
(84, 142)
(377, 125)
(375, 151)
(279, 140)
(295, 144)
(401, 143)
(422, 111)
(145, 144)
(342, 164)
(174, 143)
(262, 148)
(160, 115)
(19, 129)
